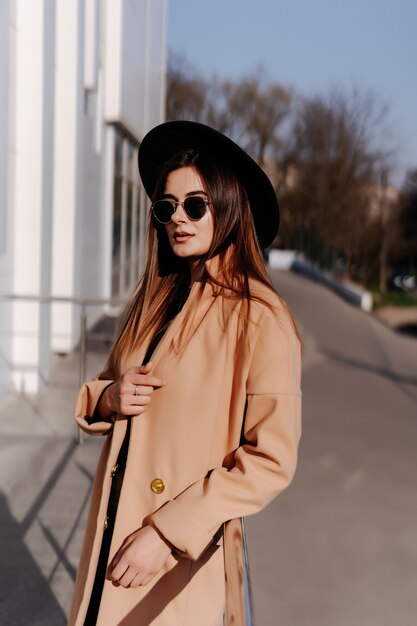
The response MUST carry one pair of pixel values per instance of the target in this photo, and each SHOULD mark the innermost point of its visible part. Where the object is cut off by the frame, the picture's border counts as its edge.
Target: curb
(348, 291)
(352, 293)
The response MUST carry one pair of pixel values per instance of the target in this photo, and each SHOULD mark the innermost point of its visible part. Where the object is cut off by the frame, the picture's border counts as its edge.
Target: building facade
(82, 82)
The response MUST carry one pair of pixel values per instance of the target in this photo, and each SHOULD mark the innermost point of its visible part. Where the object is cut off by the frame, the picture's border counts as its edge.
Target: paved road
(339, 548)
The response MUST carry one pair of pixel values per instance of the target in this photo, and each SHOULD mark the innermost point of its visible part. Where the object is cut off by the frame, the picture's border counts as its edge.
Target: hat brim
(165, 140)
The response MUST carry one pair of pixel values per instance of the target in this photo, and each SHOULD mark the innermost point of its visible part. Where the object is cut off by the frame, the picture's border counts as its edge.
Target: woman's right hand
(131, 394)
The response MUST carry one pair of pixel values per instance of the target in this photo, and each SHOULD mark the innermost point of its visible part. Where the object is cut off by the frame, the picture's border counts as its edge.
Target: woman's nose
(179, 215)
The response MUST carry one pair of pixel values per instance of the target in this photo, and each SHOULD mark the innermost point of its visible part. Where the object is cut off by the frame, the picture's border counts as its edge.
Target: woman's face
(188, 238)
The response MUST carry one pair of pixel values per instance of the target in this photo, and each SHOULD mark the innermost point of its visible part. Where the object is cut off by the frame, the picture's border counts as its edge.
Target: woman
(200, 398)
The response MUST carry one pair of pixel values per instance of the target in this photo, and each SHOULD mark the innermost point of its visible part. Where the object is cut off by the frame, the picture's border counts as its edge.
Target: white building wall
(34, 106)
(68, 168)
(4, 119)
(92, 16)
(125, 63)
(157, 59)
(135, 63)
(7, 46)
(79, 75)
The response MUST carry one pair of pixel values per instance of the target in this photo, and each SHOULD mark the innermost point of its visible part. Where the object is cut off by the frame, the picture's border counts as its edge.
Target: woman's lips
(182, 237)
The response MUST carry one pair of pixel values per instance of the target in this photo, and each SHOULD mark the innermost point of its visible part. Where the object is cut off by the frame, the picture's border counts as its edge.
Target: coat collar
(185, 324)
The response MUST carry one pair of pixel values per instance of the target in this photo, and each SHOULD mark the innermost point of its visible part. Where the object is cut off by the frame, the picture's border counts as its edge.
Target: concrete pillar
(7, 46)
(32, 228)
(4, 121)
(68, 164)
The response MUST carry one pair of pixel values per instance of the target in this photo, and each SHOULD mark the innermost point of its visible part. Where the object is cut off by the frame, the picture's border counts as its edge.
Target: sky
(311, 46)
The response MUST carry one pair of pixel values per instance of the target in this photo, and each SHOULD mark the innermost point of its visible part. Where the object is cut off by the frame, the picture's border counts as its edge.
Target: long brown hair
(234, 243)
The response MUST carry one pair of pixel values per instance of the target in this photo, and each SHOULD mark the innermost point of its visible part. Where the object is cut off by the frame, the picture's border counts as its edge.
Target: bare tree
(187, 97)
(250, 110)
(407, 222)
(337, 161)
(257, 110)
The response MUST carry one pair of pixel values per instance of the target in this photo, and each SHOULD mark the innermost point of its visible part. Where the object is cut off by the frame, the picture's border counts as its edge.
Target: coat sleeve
(265, 462)
(87, 400)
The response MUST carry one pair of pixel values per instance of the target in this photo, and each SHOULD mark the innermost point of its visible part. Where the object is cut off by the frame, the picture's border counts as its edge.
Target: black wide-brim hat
(164, 141)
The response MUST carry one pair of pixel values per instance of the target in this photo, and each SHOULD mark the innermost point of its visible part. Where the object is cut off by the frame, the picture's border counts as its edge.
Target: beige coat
(189, 437)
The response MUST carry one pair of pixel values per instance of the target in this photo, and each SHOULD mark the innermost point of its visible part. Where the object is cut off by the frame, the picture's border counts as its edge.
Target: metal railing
(84, 333)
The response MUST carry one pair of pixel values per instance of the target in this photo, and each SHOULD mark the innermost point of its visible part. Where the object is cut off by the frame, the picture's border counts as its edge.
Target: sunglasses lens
(195, 207)
(163, 211)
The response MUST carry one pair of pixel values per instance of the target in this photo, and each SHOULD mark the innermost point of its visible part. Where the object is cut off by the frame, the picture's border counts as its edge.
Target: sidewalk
(43, 508)
(396, 316)
(45, 483)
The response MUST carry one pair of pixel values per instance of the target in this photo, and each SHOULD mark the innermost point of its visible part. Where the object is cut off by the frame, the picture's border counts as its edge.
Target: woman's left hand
(140, 558)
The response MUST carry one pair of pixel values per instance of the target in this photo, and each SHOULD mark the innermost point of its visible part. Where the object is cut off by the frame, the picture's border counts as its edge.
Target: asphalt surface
(338, 548)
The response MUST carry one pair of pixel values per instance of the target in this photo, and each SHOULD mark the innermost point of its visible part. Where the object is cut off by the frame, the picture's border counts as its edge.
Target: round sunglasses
(194, 206)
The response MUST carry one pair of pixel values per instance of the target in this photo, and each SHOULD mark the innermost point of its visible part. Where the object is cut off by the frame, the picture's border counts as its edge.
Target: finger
(141, 369)
(133, 408)
(142, 390)
(147, 380)
(137, 581)
(128, 576)
(119, 555)
(147, 579)
(139, 400)
(118, 570)
(114, 562)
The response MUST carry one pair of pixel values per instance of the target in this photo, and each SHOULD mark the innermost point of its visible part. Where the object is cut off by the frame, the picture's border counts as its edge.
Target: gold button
(157, 485)
(113, 470)
(106, 523)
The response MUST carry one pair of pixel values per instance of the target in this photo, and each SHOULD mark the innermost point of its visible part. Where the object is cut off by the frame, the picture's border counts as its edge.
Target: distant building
(81, 83)
(383, 199)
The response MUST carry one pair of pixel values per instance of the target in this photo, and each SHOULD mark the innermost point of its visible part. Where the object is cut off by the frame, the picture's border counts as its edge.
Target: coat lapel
(181, 329)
